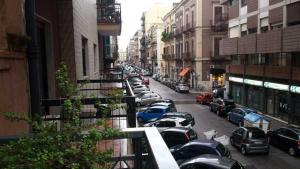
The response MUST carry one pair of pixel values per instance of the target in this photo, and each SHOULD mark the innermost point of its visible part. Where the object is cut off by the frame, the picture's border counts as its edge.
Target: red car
(146, 81)
(204, 98)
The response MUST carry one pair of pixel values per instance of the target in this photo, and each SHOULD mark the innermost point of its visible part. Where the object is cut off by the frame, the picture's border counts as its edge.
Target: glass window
(277, 59)
(243, 3)
(257, 134)
(296, 59)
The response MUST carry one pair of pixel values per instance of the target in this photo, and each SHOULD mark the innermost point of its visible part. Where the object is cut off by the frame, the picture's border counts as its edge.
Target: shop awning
(216, 71)
(184, 71)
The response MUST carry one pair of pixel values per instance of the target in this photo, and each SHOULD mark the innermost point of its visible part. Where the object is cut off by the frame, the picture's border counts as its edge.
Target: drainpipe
(33, 60)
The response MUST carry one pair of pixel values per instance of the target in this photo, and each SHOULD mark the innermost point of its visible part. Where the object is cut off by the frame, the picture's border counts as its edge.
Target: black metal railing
(220, 24)
(109, 13)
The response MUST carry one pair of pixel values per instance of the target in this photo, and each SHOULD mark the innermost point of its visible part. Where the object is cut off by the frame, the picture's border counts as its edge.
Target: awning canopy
(216, 71)
(184, 71)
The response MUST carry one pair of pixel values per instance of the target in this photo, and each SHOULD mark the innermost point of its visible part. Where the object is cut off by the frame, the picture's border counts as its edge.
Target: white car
(139, 90)
(168, 122)
(147, 99)
(182, 88)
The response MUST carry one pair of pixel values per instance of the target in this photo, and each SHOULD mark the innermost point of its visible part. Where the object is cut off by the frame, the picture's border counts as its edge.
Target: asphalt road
(206, 120)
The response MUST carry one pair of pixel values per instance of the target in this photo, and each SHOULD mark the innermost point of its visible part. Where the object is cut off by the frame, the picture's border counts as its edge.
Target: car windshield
(250, 111)
(256, 134)
(221, 149)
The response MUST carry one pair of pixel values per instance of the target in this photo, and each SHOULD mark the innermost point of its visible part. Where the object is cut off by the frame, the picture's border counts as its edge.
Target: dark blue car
(237, 115)
(198, 147)
(151, 113)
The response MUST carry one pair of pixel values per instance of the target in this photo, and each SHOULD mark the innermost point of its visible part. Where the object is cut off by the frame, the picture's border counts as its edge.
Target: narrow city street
(206, 120)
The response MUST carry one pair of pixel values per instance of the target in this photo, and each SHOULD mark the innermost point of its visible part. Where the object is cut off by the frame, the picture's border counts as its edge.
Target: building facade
(263, 42)
(193, 37)
(151, 45)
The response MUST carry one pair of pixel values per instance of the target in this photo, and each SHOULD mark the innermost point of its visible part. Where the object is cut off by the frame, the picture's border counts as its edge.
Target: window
(233, 2)
(243, 3)
(296, 59)
(277, 59)
(84, 53)
(243, 29)
(252, 30)
(264, 25)
(95, 58)
(192, 19)
(256, 59)
(236, 60)
(234, 32)
(276, 26)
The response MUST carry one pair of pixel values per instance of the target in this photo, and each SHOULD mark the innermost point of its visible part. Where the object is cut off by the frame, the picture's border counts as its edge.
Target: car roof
(214, 160)
(177, 113)
(208, 143)
(179, 119)
(158, 107)
(161, 103)
(177, 129)
(253, 128)
(295, 129)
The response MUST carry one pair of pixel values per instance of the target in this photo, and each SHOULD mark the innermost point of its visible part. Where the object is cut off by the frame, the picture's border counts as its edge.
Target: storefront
(295, 115)
(255, 97)
(217, 77)
(184, 75)
(236, 89)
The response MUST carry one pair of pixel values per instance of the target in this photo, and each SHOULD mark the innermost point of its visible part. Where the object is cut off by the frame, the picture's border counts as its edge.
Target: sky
(132, 11)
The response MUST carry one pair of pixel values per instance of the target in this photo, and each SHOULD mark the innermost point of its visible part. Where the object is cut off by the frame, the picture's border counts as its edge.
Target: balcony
(273, 38)
(235, 69)
(188, 28)
(109, 18)
(254, 70)
(220, 24)
(277, 72)
(247, 44)
(166, 57)
(178, 31)
(188, 56)
(228, 46)
(167, 36)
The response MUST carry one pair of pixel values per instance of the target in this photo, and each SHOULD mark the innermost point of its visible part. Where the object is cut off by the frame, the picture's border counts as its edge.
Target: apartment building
(36, 36)
(193, 30)
(134, 49)
(151, 44)
(263, 42)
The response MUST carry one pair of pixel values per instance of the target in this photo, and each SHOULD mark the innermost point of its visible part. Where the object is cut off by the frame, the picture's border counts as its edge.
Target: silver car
(181, 87)
(139, 90)
(147, 99)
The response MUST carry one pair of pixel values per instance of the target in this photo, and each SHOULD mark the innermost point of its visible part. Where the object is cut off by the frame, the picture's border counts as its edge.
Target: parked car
(139, 86)
(139, 95)
(173, 85)
(250, 140)
(178, 136)
(237, 115)
(146, 81)
(158, 103)
(139, 90)
(185, 115)
(286, 138)
(204, 98)
(182, 87)
(198, 147)
(165, 101)
(165, 123)
(151, 113)
(136, 83)
(147, 98)
(221, 106)
(156, 77)
(209, 161)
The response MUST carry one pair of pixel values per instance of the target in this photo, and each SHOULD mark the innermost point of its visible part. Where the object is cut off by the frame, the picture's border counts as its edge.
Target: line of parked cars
(252, 139)
(176, 129)
(178, 86)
